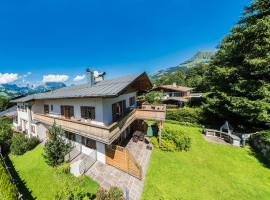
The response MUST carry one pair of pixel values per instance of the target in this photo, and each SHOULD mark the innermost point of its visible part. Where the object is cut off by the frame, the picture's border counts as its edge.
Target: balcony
(105, 134)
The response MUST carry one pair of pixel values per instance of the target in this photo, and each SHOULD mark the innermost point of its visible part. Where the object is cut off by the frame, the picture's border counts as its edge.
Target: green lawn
(208, 171)
(41, 179)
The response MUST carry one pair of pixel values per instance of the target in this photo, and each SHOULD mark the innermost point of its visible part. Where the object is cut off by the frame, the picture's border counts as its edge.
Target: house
(175, 94)
(97, 117)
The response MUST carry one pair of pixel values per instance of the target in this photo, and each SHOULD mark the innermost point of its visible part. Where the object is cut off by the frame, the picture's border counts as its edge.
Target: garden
(206, 171)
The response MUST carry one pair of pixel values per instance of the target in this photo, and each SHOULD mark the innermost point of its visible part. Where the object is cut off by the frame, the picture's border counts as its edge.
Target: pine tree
(239, 73)
(56, 147)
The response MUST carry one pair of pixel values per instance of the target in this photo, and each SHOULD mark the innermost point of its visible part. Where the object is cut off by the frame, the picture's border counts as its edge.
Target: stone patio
(108, 176)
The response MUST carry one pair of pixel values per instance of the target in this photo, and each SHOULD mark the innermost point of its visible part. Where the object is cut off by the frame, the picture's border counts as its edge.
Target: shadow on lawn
(27, 194)
(257, 154)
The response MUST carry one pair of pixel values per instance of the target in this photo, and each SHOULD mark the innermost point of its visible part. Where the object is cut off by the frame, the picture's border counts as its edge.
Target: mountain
(13, 90)
(199, 58)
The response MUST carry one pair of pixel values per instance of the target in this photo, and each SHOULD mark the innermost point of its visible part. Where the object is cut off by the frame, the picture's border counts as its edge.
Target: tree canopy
(239, 74)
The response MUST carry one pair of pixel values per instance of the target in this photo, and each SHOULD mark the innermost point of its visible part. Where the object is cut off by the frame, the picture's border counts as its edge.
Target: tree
(154, 97)
(4, 101)
(239, 74)
(5, 134)
(56, 147)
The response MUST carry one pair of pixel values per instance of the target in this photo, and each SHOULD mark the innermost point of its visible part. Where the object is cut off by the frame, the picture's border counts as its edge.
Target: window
(131, 101)
(51, 107)
(88, 142)
(33, 129)
(46, 109)
(88, 112)
(67, 111)
(71, 136)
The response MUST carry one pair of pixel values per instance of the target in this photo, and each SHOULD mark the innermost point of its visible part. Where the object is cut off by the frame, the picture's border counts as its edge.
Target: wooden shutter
(62, 111)
(83, 112)
(93, 113)
(71, 111)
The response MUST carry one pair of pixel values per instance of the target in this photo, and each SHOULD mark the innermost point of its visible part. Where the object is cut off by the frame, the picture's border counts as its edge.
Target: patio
(108, 176)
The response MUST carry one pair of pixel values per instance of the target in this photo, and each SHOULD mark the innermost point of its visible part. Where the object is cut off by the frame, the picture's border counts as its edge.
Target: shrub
(32, 142)
(73, 189)
(5, 134)
(154, 97)
(21, 144)
(186, 114)
(265, 135)
(168, 145)
(113, 193)
(63, 169)
(7, 190)
(154, 141)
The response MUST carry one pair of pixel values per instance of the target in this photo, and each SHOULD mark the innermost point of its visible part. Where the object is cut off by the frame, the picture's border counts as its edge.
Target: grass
(41, 179)
(208, 171)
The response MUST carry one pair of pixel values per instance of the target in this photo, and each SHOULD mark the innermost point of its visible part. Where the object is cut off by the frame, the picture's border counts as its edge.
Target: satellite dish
(96, 73)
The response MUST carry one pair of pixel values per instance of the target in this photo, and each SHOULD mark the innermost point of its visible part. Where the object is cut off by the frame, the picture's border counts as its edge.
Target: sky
(57, 40)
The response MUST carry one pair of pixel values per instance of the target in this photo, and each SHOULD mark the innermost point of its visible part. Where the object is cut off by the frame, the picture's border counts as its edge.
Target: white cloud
(8, 78)
(55, 78)
(79, 78)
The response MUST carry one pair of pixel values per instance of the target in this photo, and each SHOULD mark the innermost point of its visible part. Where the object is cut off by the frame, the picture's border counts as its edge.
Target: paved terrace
(108, 176)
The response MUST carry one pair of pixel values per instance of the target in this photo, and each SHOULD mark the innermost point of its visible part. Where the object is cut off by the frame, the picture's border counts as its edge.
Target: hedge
(7, 189)
(186, 114)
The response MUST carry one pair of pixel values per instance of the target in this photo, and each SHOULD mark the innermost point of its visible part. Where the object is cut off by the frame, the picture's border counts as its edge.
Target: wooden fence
(122, 159)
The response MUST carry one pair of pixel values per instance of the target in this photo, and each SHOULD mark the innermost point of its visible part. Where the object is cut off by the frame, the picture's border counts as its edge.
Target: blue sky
(39, 38)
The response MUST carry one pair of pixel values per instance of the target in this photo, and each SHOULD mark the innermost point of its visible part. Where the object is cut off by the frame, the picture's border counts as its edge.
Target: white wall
(38, 107)
(107, 105)
(103, 107)
(101, 152)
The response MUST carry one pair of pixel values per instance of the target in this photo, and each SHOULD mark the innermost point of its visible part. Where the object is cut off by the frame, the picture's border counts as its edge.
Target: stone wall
(260, 144)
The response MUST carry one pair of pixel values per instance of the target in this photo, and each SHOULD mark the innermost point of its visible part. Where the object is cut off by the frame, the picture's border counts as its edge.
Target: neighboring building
(175, 94)
(10, 113)
(93, 116)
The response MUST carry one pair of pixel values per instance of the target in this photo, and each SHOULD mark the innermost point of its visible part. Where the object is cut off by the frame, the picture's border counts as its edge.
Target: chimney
(90, 76)
(174, 84)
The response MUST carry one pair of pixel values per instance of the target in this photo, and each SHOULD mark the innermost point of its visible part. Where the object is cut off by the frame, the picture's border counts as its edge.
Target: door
(67, 111)
(118, 110)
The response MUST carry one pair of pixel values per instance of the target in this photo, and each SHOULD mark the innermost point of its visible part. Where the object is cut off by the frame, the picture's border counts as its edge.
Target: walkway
(108, 176)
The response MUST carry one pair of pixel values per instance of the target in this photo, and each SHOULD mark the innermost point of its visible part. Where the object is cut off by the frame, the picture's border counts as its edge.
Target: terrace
(105, 134)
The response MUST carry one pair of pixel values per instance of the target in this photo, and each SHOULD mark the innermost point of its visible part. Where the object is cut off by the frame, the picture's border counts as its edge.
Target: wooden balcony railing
(105, 134)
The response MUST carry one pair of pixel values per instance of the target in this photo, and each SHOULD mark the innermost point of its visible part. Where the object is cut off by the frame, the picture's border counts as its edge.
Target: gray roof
(107, 88)
(10, 112)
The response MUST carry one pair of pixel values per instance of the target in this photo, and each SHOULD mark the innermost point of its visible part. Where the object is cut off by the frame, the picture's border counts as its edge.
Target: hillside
(198, 58)
(13, 90)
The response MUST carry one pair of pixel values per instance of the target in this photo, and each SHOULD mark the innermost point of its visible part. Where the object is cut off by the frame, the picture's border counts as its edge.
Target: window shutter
(71, 111)
(93, 113)
(62, 110)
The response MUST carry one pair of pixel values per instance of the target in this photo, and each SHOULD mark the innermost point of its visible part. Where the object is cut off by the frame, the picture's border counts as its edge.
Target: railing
(228, 137)
(105, 134)
(87, 162)
(73, 153)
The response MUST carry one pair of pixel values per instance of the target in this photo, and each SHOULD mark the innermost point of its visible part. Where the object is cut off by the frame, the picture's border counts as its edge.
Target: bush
(186, 114)
(173, 140)
(73, 188)
(154, 141)
(113, 193)
(265, 135)
(20, 144)
(7, 190)
(5, 134)
(154, 97)
(32, 142)
(168, 145)
(63, 169)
